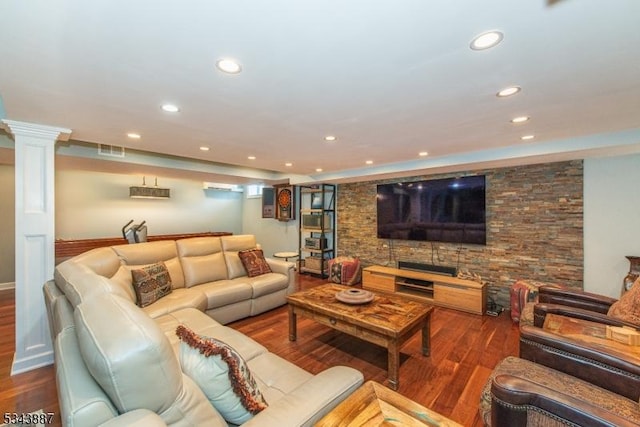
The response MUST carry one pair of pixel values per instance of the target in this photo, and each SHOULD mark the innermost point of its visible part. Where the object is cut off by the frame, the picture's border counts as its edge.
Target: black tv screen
(440, 210)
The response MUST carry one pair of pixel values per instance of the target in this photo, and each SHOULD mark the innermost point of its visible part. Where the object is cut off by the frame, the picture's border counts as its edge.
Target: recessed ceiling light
(288, 164)
(520, 119)
(170, 108)
(134, 135)
(369, 162)
(508, 91)
(526, 137)
(229, 66)
(423, 154)
(330, 138)
(251, 157)
(204, 148)
(319, 170)
(486, 40)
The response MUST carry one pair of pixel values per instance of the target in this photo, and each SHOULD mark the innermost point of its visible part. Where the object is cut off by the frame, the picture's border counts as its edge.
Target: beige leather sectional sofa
(118, 364)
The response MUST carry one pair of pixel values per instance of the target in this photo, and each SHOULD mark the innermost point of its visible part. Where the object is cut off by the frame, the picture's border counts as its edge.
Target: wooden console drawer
(459, 297)
(378, 281)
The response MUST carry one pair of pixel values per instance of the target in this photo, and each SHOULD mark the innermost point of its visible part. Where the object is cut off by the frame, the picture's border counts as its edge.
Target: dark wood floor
(464, 349)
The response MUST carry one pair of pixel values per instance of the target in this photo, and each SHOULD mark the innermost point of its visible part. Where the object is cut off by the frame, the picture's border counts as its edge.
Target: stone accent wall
(534, 228)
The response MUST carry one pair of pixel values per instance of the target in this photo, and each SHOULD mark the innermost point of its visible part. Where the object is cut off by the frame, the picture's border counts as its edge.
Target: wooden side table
(286, 255)
(374, 405)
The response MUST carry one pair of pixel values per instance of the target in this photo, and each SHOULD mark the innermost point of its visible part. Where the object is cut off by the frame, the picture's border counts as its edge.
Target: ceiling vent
(110, 150)
(222, 187)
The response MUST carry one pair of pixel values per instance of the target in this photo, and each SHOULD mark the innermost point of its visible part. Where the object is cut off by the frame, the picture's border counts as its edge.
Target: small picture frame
(268, 202)
(316, 201)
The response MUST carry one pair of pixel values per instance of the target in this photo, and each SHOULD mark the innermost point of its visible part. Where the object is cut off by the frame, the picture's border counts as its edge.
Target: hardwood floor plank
(464, 349)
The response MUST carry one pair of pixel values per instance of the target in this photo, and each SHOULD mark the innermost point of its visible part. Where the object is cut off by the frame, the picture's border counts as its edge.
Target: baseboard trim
(7, 286)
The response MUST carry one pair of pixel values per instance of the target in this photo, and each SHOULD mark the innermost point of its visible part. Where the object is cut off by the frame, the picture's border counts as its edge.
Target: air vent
(110, 150)
(222, 187)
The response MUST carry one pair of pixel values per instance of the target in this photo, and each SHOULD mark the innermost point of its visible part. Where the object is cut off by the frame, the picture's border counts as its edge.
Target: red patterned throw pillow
(222, 374)
(151, 283)
(254, 262)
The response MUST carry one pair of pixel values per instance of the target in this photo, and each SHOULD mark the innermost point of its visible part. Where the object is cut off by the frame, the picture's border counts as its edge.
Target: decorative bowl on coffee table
(354, 296)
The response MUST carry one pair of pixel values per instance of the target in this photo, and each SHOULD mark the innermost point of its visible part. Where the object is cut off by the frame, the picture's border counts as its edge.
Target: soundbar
(428, 268)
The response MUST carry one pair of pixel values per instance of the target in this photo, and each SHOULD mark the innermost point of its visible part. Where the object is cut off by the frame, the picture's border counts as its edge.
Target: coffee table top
(390, 315)
(375, 405)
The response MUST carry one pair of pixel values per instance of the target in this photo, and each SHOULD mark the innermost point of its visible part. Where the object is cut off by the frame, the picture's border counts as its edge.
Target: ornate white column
(35, 238)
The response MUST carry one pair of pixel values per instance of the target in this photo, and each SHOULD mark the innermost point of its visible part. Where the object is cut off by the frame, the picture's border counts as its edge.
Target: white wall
(273, 235)
(92, 204)
(611, 221)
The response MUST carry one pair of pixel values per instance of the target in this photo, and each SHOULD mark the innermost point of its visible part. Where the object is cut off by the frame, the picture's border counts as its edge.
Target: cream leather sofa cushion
(231, 246)
(82, 401)
(202, 260)
(142, 254)
(131, 359)
(102, 261)
(84, 284)
(177, 300)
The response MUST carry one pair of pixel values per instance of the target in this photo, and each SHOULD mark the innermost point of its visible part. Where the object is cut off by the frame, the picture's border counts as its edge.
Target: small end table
(286, 256)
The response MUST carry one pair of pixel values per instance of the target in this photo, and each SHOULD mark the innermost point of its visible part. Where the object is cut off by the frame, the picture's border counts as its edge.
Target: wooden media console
(436, 289)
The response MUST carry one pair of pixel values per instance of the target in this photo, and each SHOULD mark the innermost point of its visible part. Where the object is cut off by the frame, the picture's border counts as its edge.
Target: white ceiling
(389, 78)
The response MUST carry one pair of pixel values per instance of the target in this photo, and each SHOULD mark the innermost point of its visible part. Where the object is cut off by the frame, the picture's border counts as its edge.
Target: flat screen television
(440, 210)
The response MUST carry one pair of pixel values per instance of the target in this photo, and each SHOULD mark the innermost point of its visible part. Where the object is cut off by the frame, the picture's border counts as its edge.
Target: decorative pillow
(254, 262)
(151, 283)
(222, 374)
(344, 270)
(627, 308)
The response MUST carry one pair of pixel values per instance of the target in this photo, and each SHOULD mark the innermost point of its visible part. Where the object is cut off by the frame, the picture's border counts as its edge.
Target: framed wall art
(268, 202)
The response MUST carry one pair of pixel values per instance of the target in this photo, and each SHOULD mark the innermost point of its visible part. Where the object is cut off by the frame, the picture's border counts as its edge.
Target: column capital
(36, 130)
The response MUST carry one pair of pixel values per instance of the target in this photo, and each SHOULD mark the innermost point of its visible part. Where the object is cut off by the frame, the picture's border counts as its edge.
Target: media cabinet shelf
(436, 289)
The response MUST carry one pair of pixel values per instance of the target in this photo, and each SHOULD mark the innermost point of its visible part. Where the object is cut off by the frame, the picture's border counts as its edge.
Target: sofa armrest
(513, 398)
(137, 418)
(540, 311)
(305, 405)
(280, 266)
(611, 369)
(575, 298)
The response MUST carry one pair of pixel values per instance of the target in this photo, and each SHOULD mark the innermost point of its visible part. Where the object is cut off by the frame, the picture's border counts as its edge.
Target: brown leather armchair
(576, 304)
(544, 397)
(567, 372)
(570, 336)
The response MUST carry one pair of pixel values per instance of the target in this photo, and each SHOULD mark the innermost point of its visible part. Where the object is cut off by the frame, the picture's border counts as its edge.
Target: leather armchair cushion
(556, 381)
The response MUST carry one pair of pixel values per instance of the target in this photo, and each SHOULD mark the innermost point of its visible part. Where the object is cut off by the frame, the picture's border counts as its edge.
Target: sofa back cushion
(131, 359)
(127, 354)
(202, 260)
(140, 255)
(85, 284)
(231, 246)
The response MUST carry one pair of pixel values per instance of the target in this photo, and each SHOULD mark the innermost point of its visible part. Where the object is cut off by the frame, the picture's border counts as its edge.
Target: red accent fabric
(254, 262)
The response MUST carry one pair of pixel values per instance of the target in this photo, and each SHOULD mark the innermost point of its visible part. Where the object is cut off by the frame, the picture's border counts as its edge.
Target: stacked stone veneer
(534, 228)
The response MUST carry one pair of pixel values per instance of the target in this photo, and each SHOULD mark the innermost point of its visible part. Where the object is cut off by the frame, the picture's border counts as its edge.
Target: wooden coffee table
(388, 320)
(375, 405)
